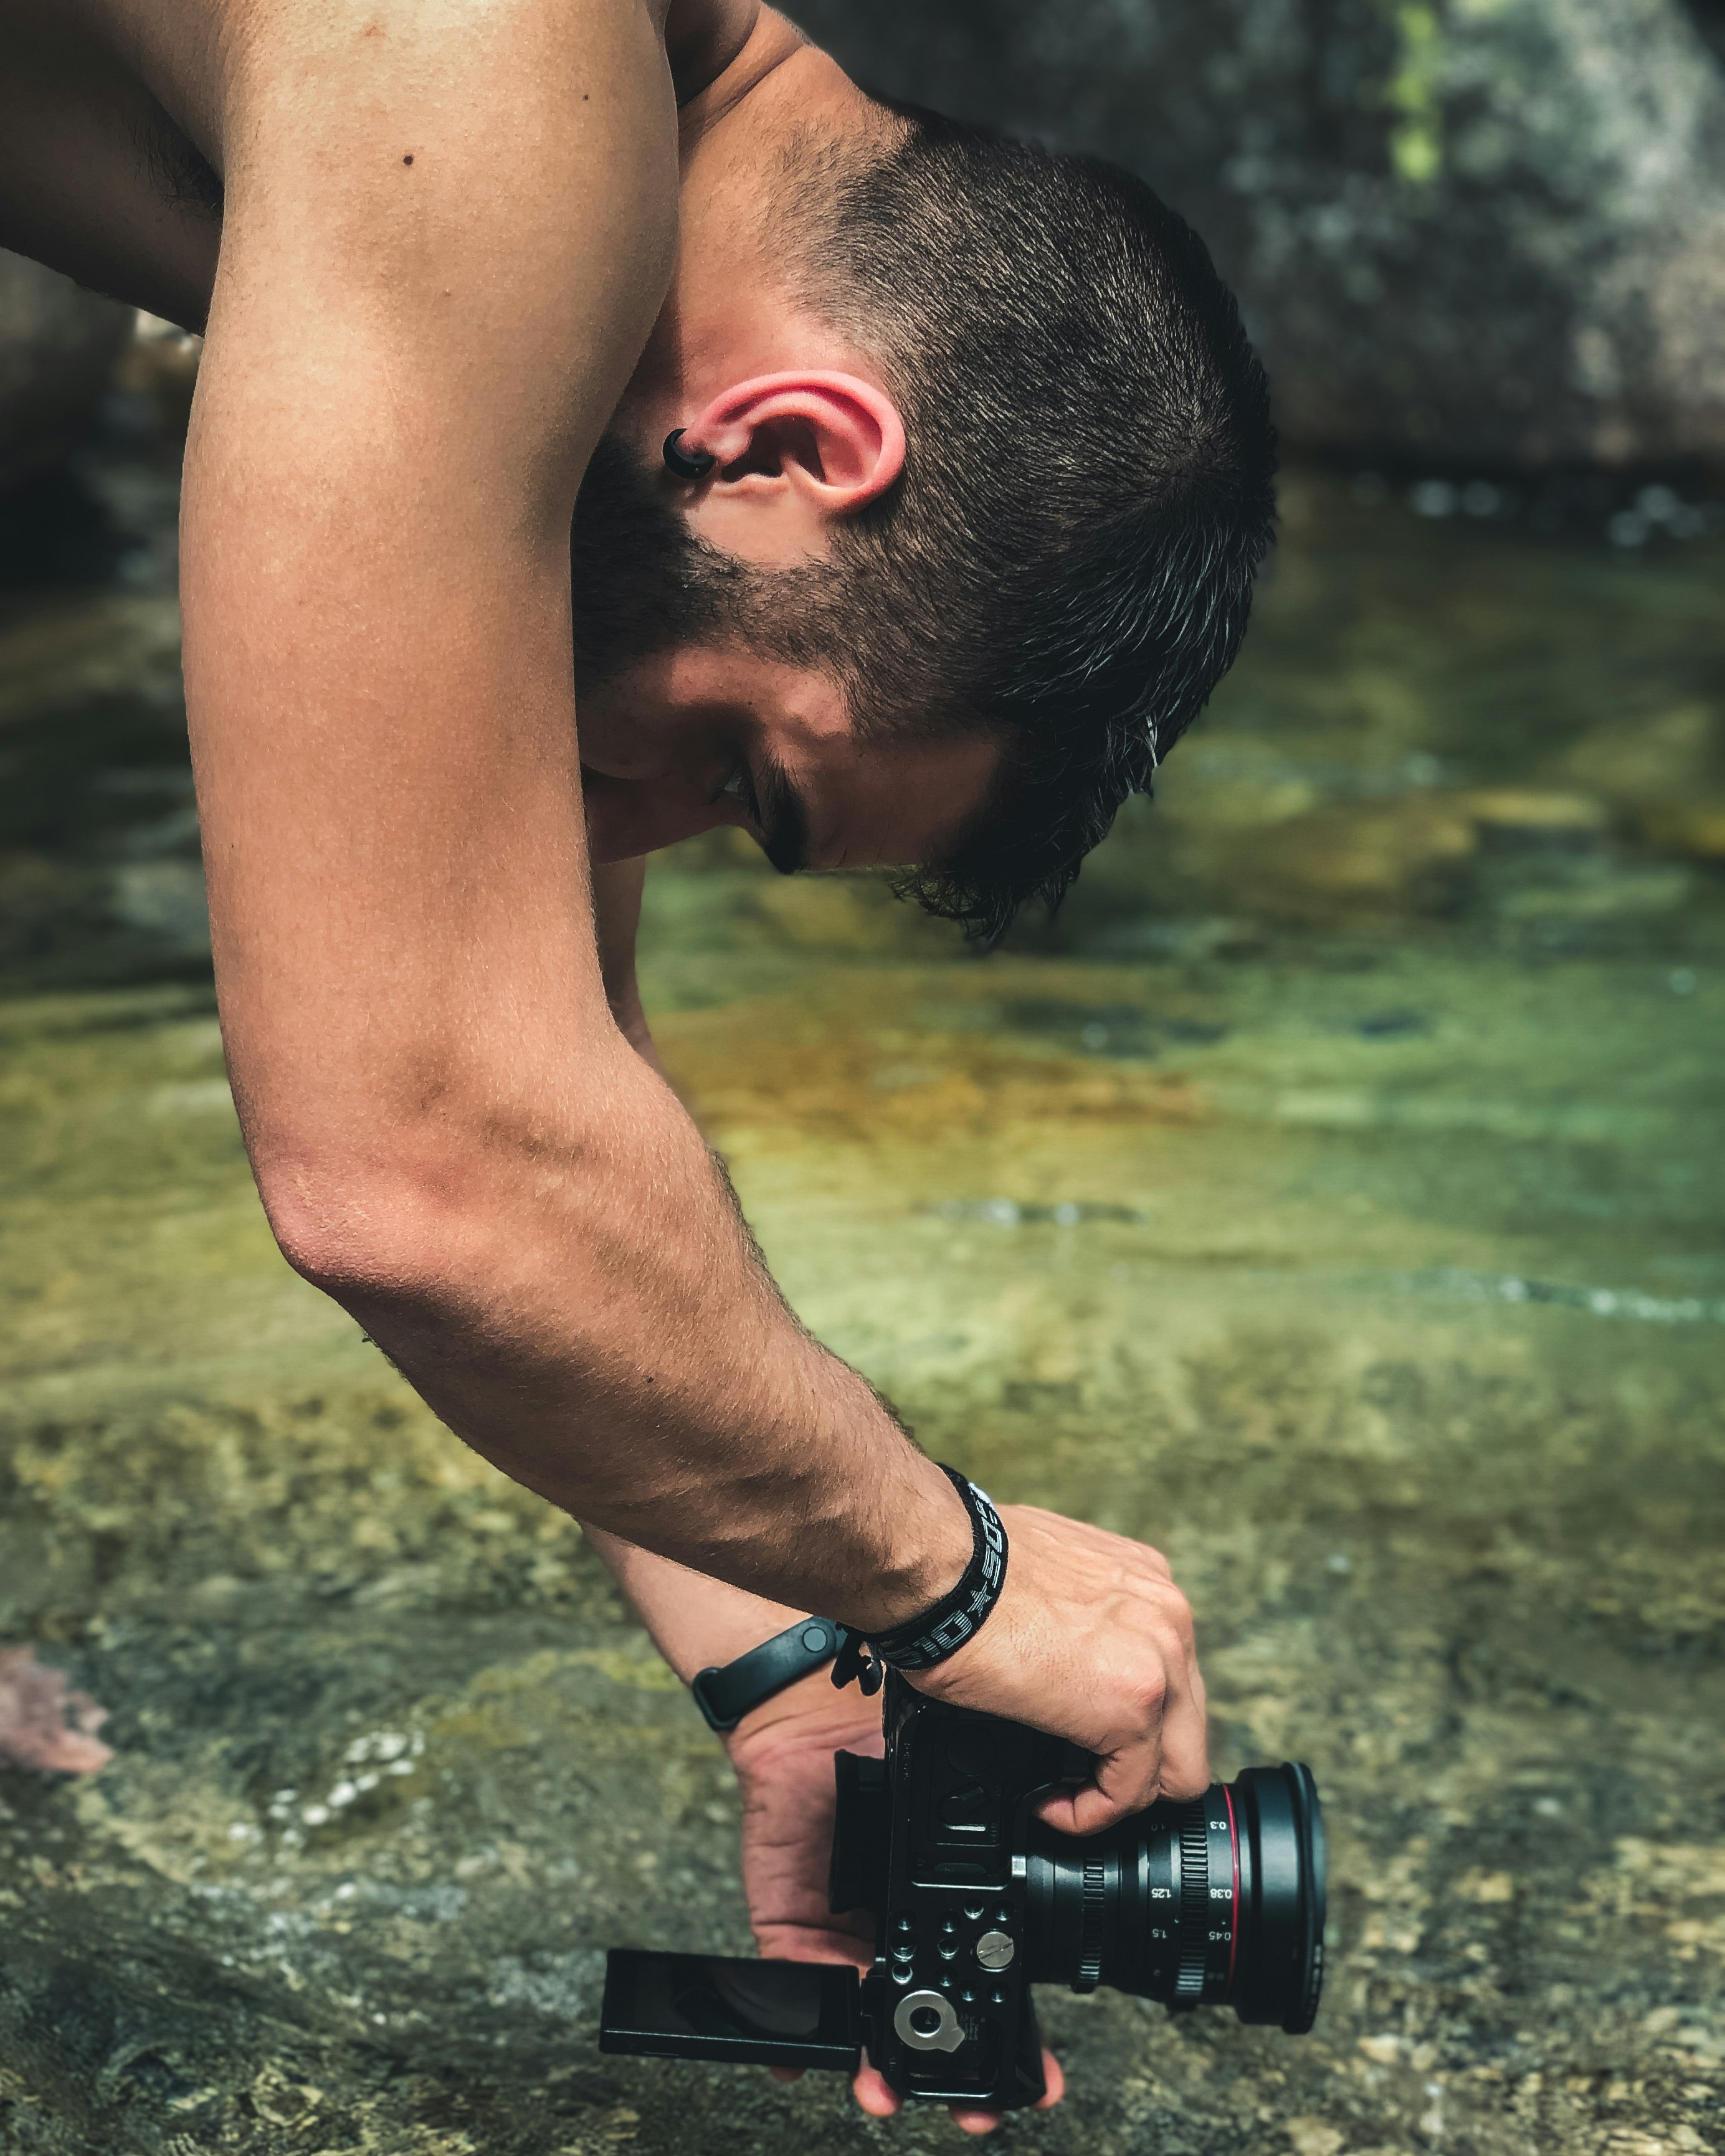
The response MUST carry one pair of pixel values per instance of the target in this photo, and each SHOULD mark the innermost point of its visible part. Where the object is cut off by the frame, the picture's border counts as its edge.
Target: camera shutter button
(994, 1950)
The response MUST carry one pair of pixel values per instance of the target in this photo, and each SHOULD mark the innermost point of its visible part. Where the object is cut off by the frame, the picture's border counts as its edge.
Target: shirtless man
(959, 531)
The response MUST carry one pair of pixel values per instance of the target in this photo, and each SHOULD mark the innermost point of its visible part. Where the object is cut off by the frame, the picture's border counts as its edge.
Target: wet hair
(1068, 561)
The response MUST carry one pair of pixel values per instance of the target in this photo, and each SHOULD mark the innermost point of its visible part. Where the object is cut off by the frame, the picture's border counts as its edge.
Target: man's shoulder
(450, 223)
(701, 39)
(410, 136)
(256, 44)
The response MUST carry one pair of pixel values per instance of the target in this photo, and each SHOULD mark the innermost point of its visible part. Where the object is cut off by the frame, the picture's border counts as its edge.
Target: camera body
(934, 1841)
(1220, 1901)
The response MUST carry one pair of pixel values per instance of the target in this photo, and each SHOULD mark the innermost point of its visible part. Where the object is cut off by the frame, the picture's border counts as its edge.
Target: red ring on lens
(1234, 1920)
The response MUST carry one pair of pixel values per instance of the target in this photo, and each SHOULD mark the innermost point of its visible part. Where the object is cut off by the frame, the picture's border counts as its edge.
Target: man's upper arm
(448, 230)
(497, 176)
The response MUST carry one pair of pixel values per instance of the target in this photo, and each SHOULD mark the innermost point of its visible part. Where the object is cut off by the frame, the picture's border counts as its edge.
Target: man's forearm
(589, 1310)
(695, 1622)
(617, 888)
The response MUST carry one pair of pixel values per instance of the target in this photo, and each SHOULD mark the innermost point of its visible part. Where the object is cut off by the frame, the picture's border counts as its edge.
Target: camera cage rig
(1217, 1900)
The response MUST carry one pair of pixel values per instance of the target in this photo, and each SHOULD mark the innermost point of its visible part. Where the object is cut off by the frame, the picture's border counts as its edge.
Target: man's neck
(722, 57)
(737, 307)
(704, 40)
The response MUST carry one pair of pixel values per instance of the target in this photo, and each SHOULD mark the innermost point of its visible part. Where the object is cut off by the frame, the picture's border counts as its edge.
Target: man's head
(992, 480)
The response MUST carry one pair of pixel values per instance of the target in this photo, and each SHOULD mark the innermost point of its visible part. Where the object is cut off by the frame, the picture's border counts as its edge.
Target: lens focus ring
(1216, 1902)
(1093, 1927)
(1194, 1905)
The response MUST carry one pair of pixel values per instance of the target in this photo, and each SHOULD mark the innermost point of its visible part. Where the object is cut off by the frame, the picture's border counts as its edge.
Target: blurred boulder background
(1473, 233)
(58, 348)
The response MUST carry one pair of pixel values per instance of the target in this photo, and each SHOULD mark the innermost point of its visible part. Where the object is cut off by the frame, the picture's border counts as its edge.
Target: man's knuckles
(1182, 1789)
(1139, 1701)
(1185, 1770)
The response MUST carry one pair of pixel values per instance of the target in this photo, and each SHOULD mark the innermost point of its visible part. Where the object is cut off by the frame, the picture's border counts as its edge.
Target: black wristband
(956, 1618)
(724, 1695)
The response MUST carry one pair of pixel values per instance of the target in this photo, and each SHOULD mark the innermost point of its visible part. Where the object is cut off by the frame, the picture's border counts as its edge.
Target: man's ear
(834, 440)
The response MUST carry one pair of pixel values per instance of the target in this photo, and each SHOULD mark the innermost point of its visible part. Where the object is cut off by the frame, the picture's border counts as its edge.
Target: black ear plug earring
(686, 464)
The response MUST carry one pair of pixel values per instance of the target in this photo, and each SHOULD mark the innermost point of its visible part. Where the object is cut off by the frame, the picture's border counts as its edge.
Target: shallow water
(1331, 1196)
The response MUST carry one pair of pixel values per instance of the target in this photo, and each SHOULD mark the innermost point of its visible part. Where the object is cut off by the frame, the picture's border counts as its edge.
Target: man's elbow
(431, 1212)
(370, 1232)
(340, 1241)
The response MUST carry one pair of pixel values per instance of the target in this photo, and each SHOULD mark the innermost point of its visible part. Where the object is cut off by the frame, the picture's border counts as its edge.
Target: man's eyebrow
(783, 819)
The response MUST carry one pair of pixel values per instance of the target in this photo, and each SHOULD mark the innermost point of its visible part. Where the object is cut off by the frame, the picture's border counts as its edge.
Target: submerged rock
(57, 346)
(1486, 231)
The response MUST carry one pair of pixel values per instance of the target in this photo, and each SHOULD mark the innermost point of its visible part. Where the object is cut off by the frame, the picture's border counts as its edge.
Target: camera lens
(1215, 1903)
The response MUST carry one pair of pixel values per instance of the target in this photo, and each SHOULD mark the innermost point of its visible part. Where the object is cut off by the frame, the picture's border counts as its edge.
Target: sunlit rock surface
(1484, 230)
(1334, 1198)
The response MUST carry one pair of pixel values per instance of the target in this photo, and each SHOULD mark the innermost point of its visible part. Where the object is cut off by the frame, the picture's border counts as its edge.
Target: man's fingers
(975, 2122)
(1171, 1761)
(875, 2097)
(1125, 1782)
(984, 2122)
(1087, 1810)
(784, 1939)
(1185, 1770)
(872, 2093)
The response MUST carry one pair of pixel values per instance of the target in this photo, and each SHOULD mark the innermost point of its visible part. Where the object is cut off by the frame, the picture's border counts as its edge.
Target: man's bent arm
(447, 235)
(695, 1622)
(617, 892)
(448, 231)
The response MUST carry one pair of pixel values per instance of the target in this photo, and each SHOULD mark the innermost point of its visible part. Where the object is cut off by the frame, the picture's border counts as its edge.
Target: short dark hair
(1067, 563)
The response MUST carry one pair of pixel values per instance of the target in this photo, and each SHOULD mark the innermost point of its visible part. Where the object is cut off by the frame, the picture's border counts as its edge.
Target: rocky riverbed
(1332, 1198)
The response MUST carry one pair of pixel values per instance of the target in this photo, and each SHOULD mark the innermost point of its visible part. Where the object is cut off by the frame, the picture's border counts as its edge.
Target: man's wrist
(939, 1630)
(726, 1692)
(934, 1548)
(695, 1620)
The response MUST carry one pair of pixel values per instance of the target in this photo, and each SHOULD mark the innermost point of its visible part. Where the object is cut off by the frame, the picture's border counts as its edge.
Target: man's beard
(642, 582)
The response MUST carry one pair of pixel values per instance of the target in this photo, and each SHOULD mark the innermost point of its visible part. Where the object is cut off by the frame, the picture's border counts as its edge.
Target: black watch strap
(724, 1695)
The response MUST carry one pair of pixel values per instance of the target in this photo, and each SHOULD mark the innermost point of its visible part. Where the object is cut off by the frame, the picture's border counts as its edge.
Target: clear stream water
(1331, 1195)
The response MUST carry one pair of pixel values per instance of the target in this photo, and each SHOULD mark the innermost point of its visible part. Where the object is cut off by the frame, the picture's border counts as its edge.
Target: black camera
(1218, 1902)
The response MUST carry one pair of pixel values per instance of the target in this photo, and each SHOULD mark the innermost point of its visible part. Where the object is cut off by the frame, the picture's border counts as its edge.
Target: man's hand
(783, 1758)
(1093, 1641)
